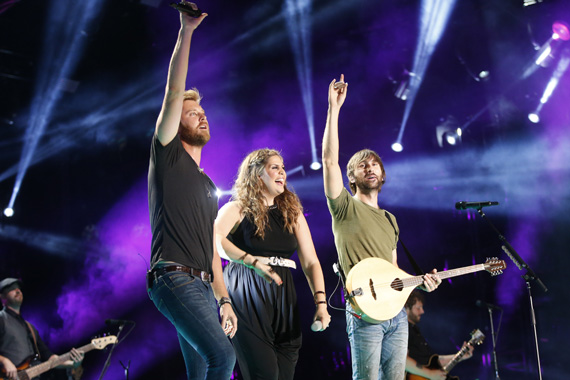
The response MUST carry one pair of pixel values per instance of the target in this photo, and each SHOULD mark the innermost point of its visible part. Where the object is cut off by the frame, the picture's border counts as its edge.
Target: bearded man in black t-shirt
(186, 279)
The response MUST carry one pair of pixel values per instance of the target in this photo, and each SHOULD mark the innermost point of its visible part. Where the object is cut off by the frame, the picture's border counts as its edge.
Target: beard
(365, 187)
(196, 137)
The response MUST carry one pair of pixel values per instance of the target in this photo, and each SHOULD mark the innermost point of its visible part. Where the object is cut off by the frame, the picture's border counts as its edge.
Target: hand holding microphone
(187, 7)
(317, 326)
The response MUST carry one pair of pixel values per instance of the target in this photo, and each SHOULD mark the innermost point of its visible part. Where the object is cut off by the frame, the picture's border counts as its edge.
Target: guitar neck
(46, 366)
(453, 362)
(418, 280)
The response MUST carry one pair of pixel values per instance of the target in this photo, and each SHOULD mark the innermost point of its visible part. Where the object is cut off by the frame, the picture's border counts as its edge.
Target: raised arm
(332, 174)
(169, 117)
(312, 269)
(229, 217)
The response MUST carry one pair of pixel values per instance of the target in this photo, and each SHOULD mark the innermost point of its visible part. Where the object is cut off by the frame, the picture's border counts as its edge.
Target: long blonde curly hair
(248, 193)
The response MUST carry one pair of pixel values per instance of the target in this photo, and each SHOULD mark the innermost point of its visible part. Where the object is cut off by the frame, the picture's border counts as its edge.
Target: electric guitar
(25, 372)
(477, 338)
(377, 290)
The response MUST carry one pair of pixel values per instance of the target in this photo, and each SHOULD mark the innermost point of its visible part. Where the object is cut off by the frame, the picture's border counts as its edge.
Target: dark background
(85, 80)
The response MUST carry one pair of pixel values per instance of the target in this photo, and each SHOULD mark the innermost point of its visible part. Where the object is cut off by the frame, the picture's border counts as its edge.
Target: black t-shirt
(183, 205)
(418, 348)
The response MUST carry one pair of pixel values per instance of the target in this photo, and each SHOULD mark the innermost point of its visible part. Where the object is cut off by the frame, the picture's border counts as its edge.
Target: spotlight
(403, 88)
(560, 31)
(218, 193)
(397, 147)
(448, 132)
(9, 212)
(534, 117)
(316, 165)
(484, 75)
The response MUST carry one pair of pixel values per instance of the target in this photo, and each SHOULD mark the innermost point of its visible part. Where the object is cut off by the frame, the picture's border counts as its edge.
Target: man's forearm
(330, 137)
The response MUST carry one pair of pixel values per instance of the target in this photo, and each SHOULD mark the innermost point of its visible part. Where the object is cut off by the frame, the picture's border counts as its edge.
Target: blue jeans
(378, 350)
(189, 304)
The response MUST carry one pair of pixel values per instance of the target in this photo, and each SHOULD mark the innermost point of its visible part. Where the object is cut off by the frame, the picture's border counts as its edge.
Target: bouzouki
(477, 338)
(25, 372)
(377, 290)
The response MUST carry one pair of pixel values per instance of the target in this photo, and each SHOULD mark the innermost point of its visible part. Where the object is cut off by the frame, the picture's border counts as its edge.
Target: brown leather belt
(157, 272)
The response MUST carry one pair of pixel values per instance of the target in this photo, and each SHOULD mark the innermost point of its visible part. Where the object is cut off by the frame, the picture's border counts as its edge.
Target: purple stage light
(560, 31)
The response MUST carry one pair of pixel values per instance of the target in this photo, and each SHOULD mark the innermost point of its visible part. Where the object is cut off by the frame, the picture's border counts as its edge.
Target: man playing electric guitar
(19, 340)
(421, 360)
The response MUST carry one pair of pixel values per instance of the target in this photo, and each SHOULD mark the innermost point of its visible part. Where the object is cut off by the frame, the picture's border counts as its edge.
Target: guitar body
(22, 368)
(377, 281)
(432, 364)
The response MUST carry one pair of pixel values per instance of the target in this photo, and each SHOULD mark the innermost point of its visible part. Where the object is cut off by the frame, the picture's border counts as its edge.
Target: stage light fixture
(448, 132)
(560, 31)
(484, 75)
(397, 147)
(534, 117)
(9, 212)
(316, 165)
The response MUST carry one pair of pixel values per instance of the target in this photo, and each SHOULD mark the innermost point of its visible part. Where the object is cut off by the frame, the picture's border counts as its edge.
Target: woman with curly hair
(258, 231)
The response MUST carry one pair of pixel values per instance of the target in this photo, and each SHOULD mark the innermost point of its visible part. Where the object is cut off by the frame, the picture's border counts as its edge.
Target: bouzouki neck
(418, 280)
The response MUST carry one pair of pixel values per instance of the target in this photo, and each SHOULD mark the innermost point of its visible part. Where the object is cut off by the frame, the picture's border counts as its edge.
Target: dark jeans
(189, 304)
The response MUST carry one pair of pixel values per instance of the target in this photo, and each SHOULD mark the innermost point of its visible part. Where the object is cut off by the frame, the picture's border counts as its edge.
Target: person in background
(19, 339)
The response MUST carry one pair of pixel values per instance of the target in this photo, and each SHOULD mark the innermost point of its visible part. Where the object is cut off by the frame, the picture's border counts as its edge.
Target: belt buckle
(277, 261)
(204, 276)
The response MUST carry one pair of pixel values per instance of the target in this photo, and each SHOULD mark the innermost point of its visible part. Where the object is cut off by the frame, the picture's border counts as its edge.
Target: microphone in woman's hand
(317, 326)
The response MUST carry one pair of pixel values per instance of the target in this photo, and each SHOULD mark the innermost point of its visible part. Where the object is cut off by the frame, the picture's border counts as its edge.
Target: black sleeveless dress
(268, 338)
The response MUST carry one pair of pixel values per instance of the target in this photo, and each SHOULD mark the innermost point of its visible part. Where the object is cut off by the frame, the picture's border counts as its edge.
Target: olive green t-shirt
(360, 231)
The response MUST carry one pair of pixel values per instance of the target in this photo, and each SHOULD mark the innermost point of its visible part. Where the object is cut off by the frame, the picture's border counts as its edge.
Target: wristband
(315, 296)
(225, 300)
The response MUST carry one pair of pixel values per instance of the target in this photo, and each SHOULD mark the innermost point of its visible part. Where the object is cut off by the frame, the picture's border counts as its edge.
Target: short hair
(193, 94)
(415, 296)
(356, 159)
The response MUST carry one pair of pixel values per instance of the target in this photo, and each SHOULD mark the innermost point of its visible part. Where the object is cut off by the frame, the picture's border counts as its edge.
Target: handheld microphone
(317, 326)
(487, 305)
(186, 7)
(115, 322)
(475, 205)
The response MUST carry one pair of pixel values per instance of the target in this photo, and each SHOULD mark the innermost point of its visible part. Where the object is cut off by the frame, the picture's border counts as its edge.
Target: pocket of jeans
(177, 279)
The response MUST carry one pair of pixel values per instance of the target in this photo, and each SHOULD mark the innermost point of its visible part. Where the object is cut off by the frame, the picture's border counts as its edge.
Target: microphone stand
(126, 368)
(494, 342)
(108, 361)
(528, 276)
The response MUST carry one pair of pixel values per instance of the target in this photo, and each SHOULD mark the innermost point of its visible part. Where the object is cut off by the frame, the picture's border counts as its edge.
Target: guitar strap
(34, 338)
(415, 265)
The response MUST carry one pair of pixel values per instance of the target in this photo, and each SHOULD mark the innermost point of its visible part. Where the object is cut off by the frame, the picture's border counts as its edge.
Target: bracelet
(319, 302)
(315, 296)
(252, 265)
(243, 257)
(225, 300)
